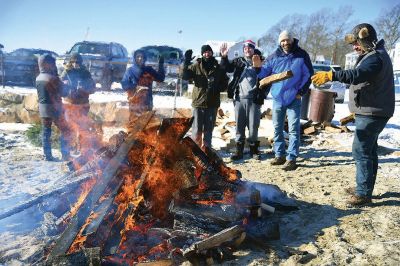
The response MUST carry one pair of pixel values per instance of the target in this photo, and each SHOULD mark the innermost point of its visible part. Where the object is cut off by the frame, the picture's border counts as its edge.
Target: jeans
(365, 145)
(203, 125)
(247, 114)
(278, 118)
(64, 135)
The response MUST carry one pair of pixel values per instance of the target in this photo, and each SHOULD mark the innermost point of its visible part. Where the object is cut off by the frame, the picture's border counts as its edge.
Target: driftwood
(275, 78)
(64, 242)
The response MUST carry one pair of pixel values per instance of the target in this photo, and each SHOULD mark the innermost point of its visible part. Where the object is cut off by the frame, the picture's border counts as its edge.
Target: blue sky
(57, 25)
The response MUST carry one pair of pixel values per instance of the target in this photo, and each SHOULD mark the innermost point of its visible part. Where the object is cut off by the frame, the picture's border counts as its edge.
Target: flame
(85, 188)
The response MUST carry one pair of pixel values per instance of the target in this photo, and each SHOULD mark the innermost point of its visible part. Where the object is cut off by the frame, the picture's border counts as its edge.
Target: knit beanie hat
(285, 35)
(205, 48)
(249, 43)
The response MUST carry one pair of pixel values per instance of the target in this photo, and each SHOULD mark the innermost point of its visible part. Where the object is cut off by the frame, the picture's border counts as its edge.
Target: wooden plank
(64, 242)
(310, 130)
(348, 119)
(275, 78)
(214, 240)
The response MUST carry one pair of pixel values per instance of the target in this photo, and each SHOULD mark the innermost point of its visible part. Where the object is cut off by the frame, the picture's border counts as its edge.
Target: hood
(46, 63)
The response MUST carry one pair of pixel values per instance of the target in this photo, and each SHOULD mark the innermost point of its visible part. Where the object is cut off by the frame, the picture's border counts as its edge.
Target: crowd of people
(371, 98)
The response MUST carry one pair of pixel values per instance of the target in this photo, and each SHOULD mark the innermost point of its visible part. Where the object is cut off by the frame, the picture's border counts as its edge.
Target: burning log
(66, 239)
(87, 256)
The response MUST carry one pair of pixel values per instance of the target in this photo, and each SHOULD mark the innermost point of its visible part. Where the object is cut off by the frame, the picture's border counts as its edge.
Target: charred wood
(86, 256)
(65, 240)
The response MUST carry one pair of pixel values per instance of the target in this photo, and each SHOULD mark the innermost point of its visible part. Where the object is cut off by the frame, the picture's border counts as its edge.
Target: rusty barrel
(322, 105)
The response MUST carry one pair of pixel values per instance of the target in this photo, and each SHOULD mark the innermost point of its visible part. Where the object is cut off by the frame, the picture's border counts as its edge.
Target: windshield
(90, 48)
(31, 53)
(321, 68)
(171, 55)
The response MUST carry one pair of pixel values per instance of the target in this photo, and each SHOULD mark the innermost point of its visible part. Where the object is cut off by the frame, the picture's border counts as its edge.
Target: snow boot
(254, 152)
(238, 155)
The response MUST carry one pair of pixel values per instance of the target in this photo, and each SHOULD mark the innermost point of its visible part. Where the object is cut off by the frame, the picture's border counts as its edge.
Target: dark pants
(64, 135)
(203, 125)
(365, 145)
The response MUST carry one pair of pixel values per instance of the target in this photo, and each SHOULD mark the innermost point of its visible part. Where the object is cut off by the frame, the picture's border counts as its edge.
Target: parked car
(106, 62)
(336, 86)
(21, 65)
(173, 58)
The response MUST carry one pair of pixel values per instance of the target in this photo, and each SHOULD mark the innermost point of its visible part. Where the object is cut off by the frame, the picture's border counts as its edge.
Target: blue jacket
(142, 76)
(298, 61)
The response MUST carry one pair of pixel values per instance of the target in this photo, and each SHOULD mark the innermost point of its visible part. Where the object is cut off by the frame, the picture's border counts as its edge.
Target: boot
(254, 152)
(239, 151)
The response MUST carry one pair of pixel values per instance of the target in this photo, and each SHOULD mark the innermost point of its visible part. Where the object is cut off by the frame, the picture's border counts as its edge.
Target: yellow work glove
(321, 77)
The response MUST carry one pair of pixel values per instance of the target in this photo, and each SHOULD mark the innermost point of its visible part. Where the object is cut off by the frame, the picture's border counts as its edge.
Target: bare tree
(388, 26)
(339, 25)
(293, 23)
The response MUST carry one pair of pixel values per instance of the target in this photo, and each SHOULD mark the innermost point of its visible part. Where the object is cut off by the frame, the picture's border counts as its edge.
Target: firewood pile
(164, 199)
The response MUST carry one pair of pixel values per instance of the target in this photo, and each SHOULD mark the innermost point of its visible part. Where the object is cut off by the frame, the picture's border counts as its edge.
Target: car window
(90, 48)
(171, 55)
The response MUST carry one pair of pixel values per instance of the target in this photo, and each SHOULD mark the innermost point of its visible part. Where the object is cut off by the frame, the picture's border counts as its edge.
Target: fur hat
(364, 34)
(249, 43)
(205, 48)
(285, 35)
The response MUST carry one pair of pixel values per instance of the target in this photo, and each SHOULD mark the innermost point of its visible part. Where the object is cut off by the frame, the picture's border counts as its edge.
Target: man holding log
(247, 97)
(286, 96)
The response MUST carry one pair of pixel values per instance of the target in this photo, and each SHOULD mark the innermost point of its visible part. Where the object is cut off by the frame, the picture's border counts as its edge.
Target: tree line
(322, 32)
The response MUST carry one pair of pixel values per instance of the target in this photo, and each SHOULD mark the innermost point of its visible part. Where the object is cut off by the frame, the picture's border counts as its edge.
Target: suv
(336, 86)
(106, 61)
(21, 65)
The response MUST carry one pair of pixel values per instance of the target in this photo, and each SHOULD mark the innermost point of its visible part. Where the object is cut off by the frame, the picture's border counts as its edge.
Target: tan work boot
(350, 190)
(278, 161)
(289, 165)
(356, 201)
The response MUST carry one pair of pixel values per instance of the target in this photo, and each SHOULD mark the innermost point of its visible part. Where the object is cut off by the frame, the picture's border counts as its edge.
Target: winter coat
(142, 76)
(298, 61)
(372, 83)
(207, 84)
(244, 84)
(50, 89)
(79, 84)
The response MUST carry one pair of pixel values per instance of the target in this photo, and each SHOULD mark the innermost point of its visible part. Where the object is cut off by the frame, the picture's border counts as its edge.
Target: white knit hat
(285, 35)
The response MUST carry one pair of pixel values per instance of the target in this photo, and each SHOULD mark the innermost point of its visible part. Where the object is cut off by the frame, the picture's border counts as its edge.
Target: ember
(163, 197)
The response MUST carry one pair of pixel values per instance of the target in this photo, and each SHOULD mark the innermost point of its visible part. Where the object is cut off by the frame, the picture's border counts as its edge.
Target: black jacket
(372, 83)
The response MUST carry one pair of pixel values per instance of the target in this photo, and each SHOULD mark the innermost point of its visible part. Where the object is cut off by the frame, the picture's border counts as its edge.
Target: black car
(106, 61)
(21, 65)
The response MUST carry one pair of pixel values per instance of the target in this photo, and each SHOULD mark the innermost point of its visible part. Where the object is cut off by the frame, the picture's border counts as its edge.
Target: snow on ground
(326, 165)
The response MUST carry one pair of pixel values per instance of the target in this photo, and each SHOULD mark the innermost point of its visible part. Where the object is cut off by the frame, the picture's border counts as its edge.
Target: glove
(188, 56)
(256, 61)
(161, 60)
(322, 77)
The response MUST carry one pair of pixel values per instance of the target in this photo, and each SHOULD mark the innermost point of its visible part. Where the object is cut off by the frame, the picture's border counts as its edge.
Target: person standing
(50, 89)
(286, 96)
(371, 99)
(244, 90)
(79, 84)
(140, 75)
(209, 80)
